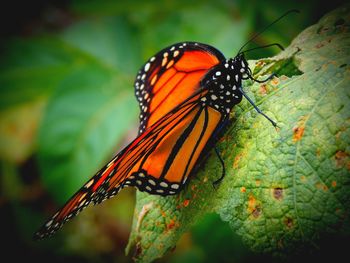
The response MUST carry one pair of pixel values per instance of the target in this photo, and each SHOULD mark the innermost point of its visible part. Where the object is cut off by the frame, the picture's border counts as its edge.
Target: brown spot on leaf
(251, 202)
(257, 211)
(298, 133)
(257, 182)
(237, 159)
(254, 207)
(340, 158)
(163, 213)
(278, 193)
(171, 225)
(275, 81)
(298, 130)
(318, 152)
(322, 30)
(303, 178)
(260, 63)
(334, 183)
(186, 202)
(243, 190)
(321, 186)
(263, 89)
(319, 45)
(288, 222)
(138, 249)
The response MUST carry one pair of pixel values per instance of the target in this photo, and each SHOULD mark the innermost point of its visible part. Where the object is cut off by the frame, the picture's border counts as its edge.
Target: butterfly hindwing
(153, 162)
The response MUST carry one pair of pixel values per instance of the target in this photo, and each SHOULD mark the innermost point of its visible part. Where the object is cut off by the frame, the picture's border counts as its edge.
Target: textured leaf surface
(283, 189)
(92, 107)
(25, 88)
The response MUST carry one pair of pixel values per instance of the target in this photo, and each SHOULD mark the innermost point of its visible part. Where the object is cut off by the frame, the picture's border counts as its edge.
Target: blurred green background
(67, 106)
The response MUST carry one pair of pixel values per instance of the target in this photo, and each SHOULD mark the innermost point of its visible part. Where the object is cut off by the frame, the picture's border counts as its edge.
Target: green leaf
(159, 26)
(29, 72)
(109, 40)
(283, 188)
(85, 120)
(18, 128)
(32, 69)
(93, 106)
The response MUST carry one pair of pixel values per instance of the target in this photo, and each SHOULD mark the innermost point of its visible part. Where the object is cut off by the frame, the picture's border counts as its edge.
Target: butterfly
(185, 93)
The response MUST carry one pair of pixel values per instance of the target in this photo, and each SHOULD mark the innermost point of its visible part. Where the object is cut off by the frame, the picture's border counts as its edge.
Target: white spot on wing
(147, 66)
(152, 182)
(49, 223)
(175, 186)
(163, 184)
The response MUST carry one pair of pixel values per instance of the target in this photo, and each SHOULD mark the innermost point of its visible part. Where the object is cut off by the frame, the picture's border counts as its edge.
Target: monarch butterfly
(185, 93)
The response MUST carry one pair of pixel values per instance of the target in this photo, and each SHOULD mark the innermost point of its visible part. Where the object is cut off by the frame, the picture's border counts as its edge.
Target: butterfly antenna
(269, 45)
(264, 29)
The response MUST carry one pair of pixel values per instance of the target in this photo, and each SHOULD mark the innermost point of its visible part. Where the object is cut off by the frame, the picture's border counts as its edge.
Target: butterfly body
(223, 83)
(185, 93)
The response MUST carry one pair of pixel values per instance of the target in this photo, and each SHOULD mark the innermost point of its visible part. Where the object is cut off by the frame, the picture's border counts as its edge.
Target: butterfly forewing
(170, 77)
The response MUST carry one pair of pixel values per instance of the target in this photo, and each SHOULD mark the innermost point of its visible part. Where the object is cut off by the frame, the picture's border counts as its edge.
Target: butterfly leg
(256, 107)
(263, 81)
(223, 167)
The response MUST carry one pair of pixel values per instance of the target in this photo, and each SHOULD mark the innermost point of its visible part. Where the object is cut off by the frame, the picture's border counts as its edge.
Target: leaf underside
(283, 188)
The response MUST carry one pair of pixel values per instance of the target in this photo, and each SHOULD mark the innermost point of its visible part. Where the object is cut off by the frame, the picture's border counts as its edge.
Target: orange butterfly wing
(179, 127)
(172, 76)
